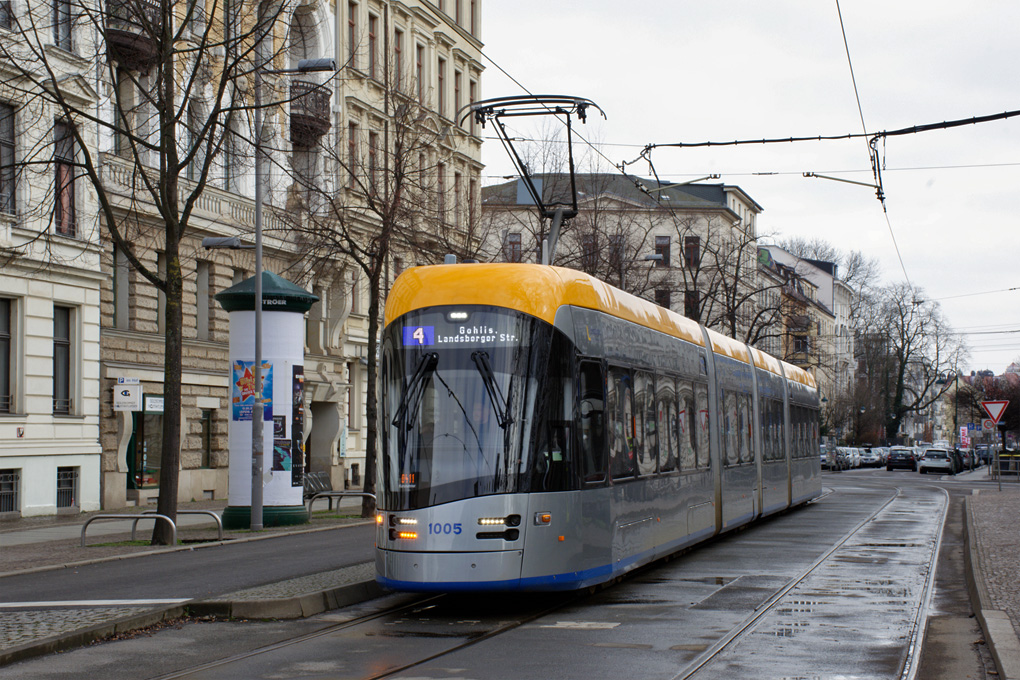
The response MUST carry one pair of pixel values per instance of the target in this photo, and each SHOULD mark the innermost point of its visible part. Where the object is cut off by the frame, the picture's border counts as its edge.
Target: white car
(853, 455)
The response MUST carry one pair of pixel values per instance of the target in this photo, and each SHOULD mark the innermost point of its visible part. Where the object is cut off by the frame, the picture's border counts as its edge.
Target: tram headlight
(403, 535)
(509, 520)
(379, 519)
(457, 316)
(402, 521)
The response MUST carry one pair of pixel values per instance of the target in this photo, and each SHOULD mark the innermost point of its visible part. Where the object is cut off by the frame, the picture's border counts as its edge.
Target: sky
(686, 71)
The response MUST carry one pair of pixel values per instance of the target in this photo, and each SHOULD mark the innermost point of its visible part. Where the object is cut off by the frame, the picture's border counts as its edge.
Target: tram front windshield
(459, 390)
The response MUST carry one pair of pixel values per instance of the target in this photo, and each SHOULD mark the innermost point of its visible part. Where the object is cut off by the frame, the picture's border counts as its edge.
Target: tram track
(440, 625)
(916, 634)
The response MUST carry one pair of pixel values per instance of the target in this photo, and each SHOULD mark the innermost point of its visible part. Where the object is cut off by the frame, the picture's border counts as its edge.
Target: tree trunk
(169, 474)
(372, 399)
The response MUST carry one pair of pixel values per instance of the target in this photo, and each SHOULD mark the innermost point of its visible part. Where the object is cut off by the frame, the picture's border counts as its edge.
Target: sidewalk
(993, 569)
(47, 543)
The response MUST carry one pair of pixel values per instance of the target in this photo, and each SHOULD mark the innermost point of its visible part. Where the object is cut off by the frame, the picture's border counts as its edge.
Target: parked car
(871, 457)
(937, 460)
(901, 457)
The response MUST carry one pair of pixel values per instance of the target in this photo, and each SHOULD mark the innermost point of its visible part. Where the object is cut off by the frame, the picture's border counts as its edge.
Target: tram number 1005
(439, 528)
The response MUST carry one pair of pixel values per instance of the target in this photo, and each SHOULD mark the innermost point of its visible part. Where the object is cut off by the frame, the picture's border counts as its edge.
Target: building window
(67, 487)
(800, 344)
(352, 34)
(10, 480)
(589, 253)
(456, 197)
(373, 22)
(5, 14)
(398, 266)
(691, 305)
(514, 250)
(206, 436)
(160, 295)
(692, 251)
(373, 161)
(457, 77)
(441, 79)
(63, 156)
(473, 96)
(202, 301)
(419, 70)
(616, 245)
(662, 297)
(456, 12)
(398, 59)
(6, 363)
(62, 24)
(6, 156)
(441, 192)
(474, 18)
(63, 318)
(121, 290)
(472, 190)
(662, 249)
(352, 153)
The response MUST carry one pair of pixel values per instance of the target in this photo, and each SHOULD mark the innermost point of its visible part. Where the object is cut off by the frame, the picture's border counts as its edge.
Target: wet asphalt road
(790, 602)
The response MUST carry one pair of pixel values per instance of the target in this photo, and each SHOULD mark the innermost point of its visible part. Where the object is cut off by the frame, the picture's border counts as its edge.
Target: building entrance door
(145, 450)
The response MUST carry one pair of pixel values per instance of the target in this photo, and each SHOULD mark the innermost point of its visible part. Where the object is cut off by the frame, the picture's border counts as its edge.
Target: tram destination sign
(466, 335)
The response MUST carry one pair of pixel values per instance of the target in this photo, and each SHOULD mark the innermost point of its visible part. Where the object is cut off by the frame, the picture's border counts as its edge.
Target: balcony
(309, 112)
(131, 27)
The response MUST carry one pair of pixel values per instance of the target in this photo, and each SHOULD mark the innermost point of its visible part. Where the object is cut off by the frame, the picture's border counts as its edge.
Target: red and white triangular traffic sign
(994, 409)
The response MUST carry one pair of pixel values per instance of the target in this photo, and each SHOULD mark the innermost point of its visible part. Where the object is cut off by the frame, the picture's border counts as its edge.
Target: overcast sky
(685, 71)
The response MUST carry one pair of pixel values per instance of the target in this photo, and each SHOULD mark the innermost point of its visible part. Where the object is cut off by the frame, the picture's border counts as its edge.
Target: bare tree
(906, 349)
(152, 101)
(392, 198)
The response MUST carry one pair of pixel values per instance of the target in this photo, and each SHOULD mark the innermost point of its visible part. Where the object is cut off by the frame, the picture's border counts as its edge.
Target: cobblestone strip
(996, 525)
(24, 626)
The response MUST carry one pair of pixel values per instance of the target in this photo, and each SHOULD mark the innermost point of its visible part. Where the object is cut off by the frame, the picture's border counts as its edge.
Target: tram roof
(533, 289)
(540, 291)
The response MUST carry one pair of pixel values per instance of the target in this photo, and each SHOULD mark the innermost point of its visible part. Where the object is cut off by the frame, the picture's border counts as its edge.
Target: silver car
(936, 460)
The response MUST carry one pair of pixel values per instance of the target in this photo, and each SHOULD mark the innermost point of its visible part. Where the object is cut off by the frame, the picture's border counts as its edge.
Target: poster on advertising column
(297, 427)
(243, 392)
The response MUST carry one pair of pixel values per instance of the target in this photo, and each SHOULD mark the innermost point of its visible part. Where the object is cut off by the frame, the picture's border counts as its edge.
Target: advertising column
(282, 396)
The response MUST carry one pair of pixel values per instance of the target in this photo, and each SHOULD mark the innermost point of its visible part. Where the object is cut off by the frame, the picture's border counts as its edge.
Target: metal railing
(219, 522)
(156, 516)
(336, 494)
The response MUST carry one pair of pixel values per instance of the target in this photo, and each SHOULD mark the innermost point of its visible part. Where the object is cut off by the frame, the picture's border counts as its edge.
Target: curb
(996, 625)
(296, 607)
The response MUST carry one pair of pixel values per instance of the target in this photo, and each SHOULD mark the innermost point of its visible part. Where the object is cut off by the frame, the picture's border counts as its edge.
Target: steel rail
(748, 623)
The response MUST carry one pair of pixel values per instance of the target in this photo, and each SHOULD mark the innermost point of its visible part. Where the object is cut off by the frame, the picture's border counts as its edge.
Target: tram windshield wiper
(426, 365)
(499, 405)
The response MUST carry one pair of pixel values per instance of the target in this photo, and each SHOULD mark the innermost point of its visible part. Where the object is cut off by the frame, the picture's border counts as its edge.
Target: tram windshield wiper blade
(501, 408)
(427, 364)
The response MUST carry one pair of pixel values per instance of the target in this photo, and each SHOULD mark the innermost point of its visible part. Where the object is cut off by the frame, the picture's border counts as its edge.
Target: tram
(542, 430)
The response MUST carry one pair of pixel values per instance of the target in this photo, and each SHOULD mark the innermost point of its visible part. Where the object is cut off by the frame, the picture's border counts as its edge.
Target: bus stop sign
(994, 409)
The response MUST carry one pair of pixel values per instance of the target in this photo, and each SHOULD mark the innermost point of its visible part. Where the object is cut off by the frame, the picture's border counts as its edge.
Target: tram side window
(778, 446)
(687, 417)
(781, 429)
(744, 423)
(620, 408)
(667, 424)
(730, 426)
(591, 433)
(644, 410)
(703, 422)
(814, 437)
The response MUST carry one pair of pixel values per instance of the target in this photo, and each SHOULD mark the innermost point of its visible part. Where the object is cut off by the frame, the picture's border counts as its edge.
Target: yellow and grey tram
(542, 430)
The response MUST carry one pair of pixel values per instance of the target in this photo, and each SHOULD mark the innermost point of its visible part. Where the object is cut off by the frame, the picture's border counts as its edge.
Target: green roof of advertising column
(278, 295)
